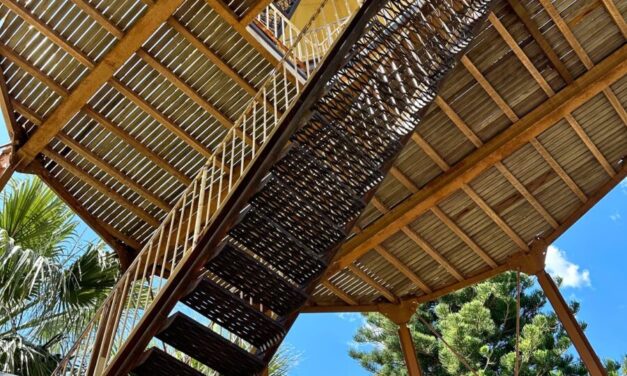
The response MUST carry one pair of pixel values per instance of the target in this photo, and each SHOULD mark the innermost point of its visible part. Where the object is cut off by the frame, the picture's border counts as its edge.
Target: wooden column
(576, 334)
(409, 351)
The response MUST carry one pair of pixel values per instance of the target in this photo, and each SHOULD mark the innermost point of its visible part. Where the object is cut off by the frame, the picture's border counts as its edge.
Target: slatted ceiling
(122, 13)
(393, 280)
(588, 36)
(43, 54)
(197, 71)
(445, 137)
(122, 157)
(73, 25)
(28, 90)
(204, 22)
(124, 114)
(240, 7)
(417, 165)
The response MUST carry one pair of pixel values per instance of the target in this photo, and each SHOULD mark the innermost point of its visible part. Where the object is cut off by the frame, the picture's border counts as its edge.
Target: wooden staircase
(253, 269)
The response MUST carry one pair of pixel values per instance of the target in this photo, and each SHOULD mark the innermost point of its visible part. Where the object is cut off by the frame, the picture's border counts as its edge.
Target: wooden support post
(576, 334)
(409, 351)
(400, 314)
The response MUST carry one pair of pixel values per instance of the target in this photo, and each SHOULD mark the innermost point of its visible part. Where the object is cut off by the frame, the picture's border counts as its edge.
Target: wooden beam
(463, 236)
(141, 148)
(161, 118)
(511, 139)
(339, 308)
(13, 130)
(101, 73)
(404, 269)
(537, 76)
(339, 293)
(99, 18)
(230, 18)
(492, 93)
(534, 30)
(458, 121)
(185, 88)
(32, 70)
(212, 56)
(403, 179)
(559, 170)
(254, 10)
(616, 16)
(374, 284)
(106, 232)
(430, 151)
(423, 244)
(75, 170)
(44, 29)
(409, 351)
(572, 327)
(99, 162)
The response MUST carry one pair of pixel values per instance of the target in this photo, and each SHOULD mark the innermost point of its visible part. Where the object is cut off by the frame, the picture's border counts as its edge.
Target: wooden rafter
(98, 17)
(373, 283)
(537, 76)
(108, 233)
(616, 16)
(75, 170)
(520, 133)
(230, 18)
(6, 107)
(254, 10)
(339, 293)
(101, 73)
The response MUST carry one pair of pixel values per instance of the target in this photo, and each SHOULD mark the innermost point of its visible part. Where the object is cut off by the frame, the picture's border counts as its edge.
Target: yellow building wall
(332, 12)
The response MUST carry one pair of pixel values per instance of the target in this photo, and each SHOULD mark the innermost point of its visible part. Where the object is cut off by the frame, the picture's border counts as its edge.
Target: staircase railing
(140, 285)
(310, 46)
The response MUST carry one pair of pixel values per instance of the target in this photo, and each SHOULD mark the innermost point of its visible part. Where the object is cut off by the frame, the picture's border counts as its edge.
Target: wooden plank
(533, 29)
(537, 76)
(44, 29)
(559, 170)
(339, 293)
(141, 148)
(374, 284)
(404, 269)
(409, 351)
(430, 151)
(496, 97)
(14, 132)
(231, 18)
(574, 124)
(513, 180)
(100, 18)
(463, 236)
(254, 10)
(495, 217)
(571, 325)
(212, 56)
(101, 73)
(108, 233)
(75, 170)
(616, 16)
(511, 139)
(403, 179)
(161, 118)
(32, 70)
(185, 88)
(432, 252)
(457, 120)
(520, 54)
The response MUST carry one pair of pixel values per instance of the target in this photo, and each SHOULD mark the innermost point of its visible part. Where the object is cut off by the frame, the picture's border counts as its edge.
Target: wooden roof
(528, 132)
(119, 102)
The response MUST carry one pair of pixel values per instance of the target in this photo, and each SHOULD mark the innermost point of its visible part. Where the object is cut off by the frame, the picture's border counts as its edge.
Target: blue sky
(591, 257)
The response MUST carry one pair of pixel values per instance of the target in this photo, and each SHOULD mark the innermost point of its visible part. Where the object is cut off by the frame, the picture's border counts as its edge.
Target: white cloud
(615, 217)
(349, 316)
(558, 266)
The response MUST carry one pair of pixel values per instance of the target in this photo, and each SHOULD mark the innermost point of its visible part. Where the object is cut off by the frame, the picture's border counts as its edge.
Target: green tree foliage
(479, 322)
(51, 282)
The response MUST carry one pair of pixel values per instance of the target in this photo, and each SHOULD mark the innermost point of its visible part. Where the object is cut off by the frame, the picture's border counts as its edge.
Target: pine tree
(479, 322)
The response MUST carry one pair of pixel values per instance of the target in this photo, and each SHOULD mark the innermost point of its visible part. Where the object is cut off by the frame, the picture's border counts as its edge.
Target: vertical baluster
(201, 206)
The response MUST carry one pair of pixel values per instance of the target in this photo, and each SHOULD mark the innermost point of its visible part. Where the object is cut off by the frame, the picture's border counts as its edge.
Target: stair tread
(208, 347)
(156, 362)
(267, 240)
(234, 314)
(258, 282)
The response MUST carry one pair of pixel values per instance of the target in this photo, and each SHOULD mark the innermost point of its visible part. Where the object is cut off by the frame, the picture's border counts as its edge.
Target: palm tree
(51, 282)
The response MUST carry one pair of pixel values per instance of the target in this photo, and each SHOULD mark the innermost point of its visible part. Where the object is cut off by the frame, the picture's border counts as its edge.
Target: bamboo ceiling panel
(532, 192)
(128, 154)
